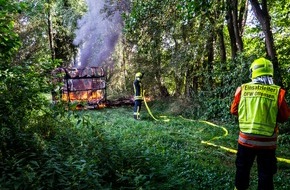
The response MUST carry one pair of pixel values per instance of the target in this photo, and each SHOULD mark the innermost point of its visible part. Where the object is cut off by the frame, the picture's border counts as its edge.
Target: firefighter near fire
(138, 95)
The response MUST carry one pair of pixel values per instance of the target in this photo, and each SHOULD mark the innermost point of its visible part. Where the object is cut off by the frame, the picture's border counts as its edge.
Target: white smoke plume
(97, 34)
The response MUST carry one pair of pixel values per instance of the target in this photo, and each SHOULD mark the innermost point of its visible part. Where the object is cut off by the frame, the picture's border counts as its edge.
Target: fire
(96, 95)
(148, 99)
(82, 86)
(90, 97)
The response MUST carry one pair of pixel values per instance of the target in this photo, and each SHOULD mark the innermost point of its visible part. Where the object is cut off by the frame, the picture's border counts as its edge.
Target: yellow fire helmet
(139, 75)
(261, 67)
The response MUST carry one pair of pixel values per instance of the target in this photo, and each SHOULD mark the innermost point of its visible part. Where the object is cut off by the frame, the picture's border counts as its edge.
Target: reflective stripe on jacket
(258, 141)
(258, 109)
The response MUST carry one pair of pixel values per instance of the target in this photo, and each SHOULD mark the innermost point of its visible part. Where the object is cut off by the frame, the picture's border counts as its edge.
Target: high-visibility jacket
(138, 89)
(255, 131)
(258, 109)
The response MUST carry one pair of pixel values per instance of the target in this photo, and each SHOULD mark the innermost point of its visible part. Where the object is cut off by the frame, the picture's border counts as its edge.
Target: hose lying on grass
(214, 138)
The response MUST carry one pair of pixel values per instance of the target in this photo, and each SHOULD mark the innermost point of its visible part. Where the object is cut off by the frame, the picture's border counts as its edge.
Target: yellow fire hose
(147, 107)
(230, 149)
(149, 111)
(214, 138)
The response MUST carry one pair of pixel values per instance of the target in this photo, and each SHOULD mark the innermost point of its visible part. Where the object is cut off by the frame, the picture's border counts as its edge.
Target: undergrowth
(108, 149)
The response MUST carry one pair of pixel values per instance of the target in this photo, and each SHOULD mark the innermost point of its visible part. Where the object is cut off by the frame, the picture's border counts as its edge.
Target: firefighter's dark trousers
(266, 163)
(137, 108)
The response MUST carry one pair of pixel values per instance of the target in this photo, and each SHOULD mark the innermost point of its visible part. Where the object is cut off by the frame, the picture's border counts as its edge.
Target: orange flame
(92, 97)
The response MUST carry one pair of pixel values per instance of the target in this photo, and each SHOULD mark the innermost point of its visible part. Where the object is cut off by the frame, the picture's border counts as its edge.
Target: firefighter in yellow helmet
(138, 95)
(259, 105)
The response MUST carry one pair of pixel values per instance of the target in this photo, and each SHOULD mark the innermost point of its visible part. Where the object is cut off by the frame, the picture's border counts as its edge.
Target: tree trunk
(220, 33)
(230, 26)
(210, 58)
(262, 14)
(50, 33)
(243, 16)
(236, 25)
(222, 46)
(124, 58)
(235, 21)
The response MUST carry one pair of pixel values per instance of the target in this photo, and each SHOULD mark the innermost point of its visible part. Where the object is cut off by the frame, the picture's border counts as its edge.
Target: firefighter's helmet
(139, 75)
(261, 67)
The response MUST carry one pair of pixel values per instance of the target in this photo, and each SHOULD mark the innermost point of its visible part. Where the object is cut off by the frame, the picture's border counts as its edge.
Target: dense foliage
(108, 149)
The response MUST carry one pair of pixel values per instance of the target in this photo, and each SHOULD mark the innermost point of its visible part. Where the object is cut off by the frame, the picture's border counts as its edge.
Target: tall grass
(108, 149)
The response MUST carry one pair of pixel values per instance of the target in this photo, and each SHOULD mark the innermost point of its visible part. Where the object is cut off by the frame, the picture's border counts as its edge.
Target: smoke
(98, 32)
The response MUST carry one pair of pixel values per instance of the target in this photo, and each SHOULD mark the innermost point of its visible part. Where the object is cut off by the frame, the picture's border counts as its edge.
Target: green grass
(169, 155)
(107, 149)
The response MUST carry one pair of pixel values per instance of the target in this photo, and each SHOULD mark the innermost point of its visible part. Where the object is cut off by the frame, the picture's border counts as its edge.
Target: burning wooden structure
(85, 87)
